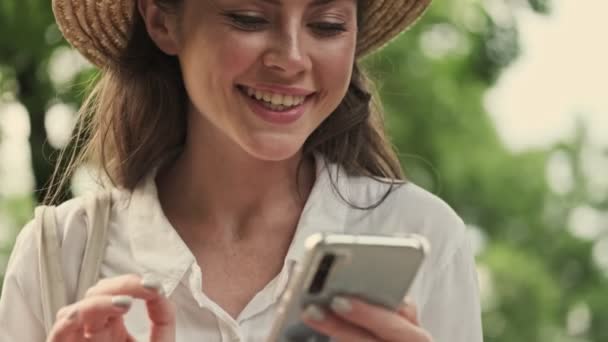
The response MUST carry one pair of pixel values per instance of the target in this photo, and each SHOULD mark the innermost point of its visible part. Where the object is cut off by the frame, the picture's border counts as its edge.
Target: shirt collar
(163, 255)
(156, 246)
(324, 211)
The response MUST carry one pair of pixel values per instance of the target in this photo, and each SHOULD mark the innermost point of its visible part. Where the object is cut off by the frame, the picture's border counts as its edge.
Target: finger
(160, 310)
(328, 324)
(89, 318)
(119, 331)
(131, 285)
(64, 312)
(66, 329)
(113, 330)
(384, 324)
(101, 336)
(409, 311)
(94, 313)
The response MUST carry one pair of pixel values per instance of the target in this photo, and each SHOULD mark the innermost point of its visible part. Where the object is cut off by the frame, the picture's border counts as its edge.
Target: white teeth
(288, 100)
(274, 98)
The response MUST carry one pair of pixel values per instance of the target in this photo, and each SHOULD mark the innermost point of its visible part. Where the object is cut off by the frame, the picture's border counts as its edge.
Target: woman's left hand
(353, 320)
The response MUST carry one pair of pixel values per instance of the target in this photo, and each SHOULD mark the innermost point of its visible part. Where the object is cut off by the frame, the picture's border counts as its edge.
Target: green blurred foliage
(534, 271)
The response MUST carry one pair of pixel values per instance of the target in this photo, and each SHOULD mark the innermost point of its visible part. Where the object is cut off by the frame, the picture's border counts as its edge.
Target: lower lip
(282, 118)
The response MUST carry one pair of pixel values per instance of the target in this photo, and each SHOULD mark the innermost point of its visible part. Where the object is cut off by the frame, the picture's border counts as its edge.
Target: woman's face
(265, 73)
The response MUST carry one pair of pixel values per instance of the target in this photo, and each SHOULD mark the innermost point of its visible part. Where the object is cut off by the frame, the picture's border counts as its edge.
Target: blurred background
(500, 107)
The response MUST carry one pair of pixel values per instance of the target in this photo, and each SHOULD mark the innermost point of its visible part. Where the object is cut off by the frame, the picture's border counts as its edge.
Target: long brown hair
(141, 97)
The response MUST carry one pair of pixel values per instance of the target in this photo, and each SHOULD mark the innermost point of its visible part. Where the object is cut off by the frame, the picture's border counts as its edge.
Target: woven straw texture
(99, 29)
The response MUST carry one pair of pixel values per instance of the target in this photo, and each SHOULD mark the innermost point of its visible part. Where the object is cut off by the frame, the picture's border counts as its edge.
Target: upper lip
(282, 89)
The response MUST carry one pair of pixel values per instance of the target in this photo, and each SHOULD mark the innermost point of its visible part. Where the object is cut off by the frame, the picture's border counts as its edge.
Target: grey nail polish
(314, 313)
(153, 284)
(122, 301)
(341, 305)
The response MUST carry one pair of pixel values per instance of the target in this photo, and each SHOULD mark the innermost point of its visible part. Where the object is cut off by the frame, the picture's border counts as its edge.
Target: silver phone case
(377, 269)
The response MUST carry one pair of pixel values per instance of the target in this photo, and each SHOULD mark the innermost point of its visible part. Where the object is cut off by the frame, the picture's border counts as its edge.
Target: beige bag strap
(52, 284)
(98, 213)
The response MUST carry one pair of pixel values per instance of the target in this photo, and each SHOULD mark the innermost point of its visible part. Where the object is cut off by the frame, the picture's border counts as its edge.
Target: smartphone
(376, 269)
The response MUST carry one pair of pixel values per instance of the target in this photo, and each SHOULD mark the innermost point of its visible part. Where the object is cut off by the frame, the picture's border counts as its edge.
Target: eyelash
(254, 23)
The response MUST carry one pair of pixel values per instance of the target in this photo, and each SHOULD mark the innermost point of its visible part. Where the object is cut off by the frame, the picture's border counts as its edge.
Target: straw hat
(99, 29)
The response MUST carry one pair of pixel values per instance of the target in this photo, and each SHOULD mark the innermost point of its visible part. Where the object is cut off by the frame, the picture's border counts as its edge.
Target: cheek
(334, 70)
(236, 55)
(232, 54)
(212, 66)
(337, 72)
(215, 49)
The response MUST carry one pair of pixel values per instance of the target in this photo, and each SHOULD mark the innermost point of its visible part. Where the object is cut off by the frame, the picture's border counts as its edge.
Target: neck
(230, 193)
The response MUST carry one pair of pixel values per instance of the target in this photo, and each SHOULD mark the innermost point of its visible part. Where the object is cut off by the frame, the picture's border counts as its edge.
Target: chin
(274, 148)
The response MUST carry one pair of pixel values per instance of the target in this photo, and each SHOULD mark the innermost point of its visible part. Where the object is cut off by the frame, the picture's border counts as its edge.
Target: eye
(328, 29)
(247, 22)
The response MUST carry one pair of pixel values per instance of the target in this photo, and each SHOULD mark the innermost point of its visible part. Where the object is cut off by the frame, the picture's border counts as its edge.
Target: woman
(233, 129)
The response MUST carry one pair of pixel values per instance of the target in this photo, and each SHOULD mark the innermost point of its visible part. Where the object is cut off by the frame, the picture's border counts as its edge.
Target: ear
(161, 26)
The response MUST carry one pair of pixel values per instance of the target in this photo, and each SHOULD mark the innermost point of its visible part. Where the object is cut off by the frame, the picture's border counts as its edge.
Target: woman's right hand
(99, 316)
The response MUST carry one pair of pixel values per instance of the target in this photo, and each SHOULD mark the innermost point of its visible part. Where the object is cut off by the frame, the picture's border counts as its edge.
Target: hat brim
(384, 20)
(99, 29)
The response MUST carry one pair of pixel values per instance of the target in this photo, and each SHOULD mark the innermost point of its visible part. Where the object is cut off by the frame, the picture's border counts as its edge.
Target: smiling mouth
(273, 101)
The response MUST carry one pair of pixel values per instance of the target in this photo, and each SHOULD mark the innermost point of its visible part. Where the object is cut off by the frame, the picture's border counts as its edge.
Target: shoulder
(71, 220)
(21, 286)
(68, 214)
(405, 208)
(72, 214)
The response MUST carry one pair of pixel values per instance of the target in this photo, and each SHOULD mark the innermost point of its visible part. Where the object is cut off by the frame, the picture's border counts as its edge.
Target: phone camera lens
(321, 275)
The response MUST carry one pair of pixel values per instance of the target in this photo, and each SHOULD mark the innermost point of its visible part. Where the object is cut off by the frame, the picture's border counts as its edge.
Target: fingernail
(123, 302)
(153, 285)
(313, 313)
(341, 305)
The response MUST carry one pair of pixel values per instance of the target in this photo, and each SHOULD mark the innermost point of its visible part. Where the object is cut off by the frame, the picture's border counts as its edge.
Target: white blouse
(141, 240)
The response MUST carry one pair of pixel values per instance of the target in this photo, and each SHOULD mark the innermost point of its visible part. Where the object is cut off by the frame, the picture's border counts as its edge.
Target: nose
(287, 54)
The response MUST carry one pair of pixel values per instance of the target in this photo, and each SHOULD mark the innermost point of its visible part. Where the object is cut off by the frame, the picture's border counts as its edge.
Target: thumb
(161, 312)
(408, 310)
